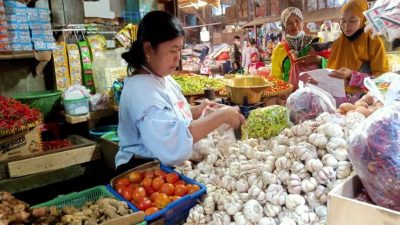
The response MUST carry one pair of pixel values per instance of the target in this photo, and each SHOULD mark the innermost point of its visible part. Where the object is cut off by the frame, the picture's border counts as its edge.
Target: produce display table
(91, 117)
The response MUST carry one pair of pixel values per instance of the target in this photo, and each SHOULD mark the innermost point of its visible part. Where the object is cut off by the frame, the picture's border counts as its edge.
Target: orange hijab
(361, 51)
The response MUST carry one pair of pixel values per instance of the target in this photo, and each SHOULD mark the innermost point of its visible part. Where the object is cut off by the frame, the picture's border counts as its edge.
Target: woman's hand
(232, 116)
(198, 109)
(342, 73)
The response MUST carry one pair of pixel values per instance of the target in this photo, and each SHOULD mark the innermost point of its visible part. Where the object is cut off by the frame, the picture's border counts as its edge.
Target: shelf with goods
(17, 55)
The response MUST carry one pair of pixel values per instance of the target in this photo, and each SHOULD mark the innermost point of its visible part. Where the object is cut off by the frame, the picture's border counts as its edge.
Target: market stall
(297, 157)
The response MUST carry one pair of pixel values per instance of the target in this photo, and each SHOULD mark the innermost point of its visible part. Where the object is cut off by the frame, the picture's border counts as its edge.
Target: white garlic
(287, 221)
(343, 170)
(209, 205)
(321, 193)
(266, 221)
(326, 175)
(294, 184)
(231, 206)
(272, 210)
(308, 185)
(253, 211)
(242, 186)
(308, 218)
(294, 200)
(330, 160)
(240, 219)
(314, 165)
(318, 140)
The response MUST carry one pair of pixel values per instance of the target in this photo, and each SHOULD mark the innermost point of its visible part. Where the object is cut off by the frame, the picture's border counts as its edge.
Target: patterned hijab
(300, 41)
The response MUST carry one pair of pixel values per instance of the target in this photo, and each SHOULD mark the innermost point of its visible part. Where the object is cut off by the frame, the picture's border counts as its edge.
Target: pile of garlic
(281, 181)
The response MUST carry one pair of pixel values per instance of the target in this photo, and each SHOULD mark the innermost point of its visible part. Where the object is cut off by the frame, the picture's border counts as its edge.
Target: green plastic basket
(77, 199)
(42, 100)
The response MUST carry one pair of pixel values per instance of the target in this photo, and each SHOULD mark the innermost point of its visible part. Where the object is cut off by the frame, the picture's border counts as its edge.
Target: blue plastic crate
(176, 211)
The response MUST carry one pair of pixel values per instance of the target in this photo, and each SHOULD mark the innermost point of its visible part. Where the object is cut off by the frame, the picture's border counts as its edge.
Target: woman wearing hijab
(355, 54)
(296, 42)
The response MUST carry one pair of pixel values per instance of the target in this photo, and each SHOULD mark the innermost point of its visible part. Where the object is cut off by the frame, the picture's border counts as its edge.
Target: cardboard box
(21, 144)
(344, 209)
(130, 219)
(108, 150)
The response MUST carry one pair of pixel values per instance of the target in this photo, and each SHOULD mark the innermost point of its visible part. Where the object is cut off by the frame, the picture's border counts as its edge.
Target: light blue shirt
(150, 123)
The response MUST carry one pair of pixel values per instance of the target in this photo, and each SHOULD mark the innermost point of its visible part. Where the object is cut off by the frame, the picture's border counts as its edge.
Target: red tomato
(119, 188)
(161, 201)
(146, 182)
(149, 191)
(180, 182)
(153, 196)
(160, 173)
(172, 178)
(135, 177)
(180, 190)
(133, 186)
(167, 189)
(127, 193)
(192, 188)
(149, 174)
(150, 211)
(123, 181)
(157, 183)
(174, 198)
(144, 203)
(138, 193)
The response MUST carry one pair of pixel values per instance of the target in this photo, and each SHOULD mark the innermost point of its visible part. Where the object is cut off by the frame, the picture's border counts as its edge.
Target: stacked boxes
(4, 46)
(18, 27)
(39, 23)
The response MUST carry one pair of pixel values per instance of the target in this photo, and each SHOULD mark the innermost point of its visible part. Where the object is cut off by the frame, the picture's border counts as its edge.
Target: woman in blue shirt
(155, 120)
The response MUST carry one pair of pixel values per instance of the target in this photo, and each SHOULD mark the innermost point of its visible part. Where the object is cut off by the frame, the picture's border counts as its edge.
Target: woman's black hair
(156, 27)
(252, 41)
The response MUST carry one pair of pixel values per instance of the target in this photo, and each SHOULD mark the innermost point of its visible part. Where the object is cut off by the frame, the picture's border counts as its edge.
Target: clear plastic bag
(204, 146)
(308, 102)
(375, 151)
(220, 138)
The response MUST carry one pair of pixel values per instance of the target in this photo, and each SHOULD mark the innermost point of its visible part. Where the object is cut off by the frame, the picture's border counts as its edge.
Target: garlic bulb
(240, 219)
(209, 205)
(272, 210)
(294, 184)
(331, 130)
(294, 200)
(308, 185)
(282, 163)
(279, 150)
(269, 178)
(283, 176)
(242, 186)
(253, 211)
(196, 217)
(231, 206)
(340, 154)
(287, 221)
(314, 165)
(326, 175)
(330, 160)
(221, 218)
(276, 194)
(308, 218)
(318, 140)
(343, 170)
(266, 221)
(322, 194)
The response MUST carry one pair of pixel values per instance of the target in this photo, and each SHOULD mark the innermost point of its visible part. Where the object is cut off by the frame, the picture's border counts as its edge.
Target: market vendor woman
(296, 41)
(155, 120)
(355, 54)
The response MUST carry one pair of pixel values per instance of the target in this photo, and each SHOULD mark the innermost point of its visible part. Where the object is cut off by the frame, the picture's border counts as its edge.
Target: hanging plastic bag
(204, 146)
(220, 138)
(375, 151)
(308, 102)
